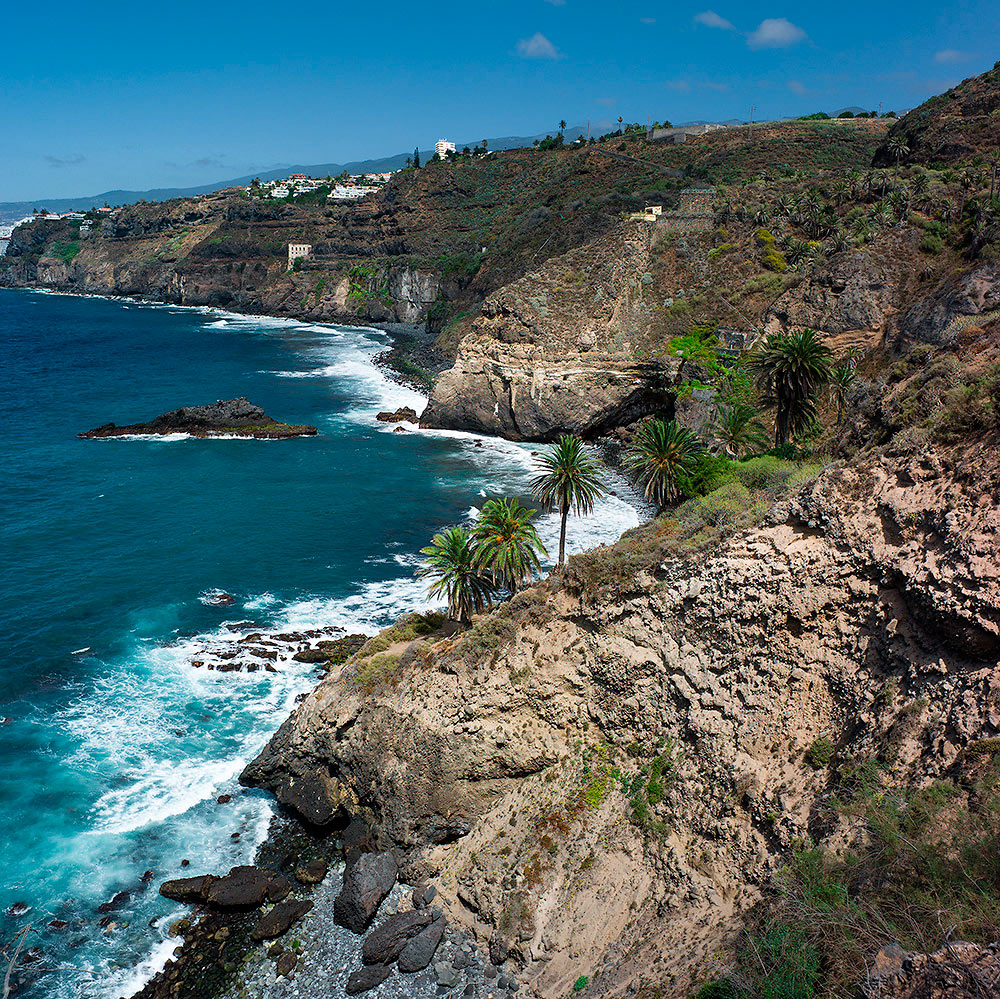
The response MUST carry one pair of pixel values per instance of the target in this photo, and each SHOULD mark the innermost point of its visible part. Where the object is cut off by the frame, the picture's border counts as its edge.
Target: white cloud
(712, 20)
(775, 33)
(709, 85)
(681, 86)
(647, 20)
(537, 47)
(798, 88)
(64, 161)
(952, 55)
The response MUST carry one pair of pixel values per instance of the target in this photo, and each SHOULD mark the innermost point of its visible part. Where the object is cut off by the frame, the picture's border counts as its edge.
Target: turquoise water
(113, 748)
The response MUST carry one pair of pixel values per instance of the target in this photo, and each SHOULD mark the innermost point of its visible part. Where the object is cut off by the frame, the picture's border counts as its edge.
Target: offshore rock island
(754, 742)
(230, 418)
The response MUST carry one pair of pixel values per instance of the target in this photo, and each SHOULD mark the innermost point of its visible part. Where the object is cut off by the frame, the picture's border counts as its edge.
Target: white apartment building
(296, 250)
(442, 147)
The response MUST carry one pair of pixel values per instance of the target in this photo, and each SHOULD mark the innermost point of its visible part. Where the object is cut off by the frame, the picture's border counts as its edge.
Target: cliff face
(517, 764)
(169, 258)
(555, 351)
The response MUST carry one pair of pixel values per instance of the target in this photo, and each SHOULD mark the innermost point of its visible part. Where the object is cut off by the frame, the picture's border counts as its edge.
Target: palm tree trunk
(562, 535)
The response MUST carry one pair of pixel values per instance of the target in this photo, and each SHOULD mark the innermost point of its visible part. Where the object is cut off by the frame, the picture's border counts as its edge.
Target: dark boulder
(312, 873)
(419, 952)
(276, 922)
(367, 978)
(358, 837)
(310, 656)
(423, 895)
(404, 413)
(278, 888)
(243, 887)
(285, 964)
(367, 880)
(187, 889)
(388, 939)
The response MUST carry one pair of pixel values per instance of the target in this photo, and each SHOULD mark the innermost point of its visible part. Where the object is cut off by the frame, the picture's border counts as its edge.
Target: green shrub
(931, 243)
(66, 251)
(376, 671)
(820, 752)
(791, 962)
(774, 260)
(719, 250)
(580, 983)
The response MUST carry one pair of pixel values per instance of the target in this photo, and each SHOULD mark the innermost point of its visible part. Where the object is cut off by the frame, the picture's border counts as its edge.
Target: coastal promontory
(224, 418)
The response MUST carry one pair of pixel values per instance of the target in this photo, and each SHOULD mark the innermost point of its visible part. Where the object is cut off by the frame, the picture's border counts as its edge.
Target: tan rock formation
(865, 610)
(554, 351)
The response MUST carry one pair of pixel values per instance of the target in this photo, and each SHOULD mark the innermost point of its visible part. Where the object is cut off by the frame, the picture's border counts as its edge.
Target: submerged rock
(233, 417)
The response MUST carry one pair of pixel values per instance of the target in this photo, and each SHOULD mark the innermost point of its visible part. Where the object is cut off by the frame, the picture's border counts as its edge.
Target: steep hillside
(951, 127)
(609, 777)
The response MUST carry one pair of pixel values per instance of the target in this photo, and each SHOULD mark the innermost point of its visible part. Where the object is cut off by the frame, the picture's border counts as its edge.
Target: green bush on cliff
(66, 251)
(925, 872)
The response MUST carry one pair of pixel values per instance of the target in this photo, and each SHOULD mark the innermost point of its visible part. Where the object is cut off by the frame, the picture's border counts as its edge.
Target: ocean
(113, 747)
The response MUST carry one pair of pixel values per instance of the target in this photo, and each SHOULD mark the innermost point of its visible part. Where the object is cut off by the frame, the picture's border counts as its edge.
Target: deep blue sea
(113, 747)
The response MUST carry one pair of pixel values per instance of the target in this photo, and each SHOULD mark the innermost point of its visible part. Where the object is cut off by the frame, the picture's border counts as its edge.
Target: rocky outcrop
(858, 290)
(234, 417)
(938, 317)
(554, 352)
(864, 611)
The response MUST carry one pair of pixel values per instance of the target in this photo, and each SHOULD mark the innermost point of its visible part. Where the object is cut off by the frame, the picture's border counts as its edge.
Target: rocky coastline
(224, 418)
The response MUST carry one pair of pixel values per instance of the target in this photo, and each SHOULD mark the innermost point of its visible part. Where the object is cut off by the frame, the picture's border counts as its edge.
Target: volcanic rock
(404, 413)
(280, 918)
(388, 939)
(244, 887)
(236, 417)
(367, 978)
(367, 881)
(419, 951)
(187, 889)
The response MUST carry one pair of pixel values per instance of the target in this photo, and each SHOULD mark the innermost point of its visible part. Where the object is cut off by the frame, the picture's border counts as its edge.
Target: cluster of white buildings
(356, 186)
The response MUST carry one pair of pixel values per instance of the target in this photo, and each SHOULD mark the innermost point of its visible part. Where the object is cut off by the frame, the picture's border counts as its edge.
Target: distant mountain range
(12, 210)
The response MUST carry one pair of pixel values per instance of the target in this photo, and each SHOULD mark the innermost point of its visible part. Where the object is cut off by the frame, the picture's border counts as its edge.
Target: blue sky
(111, 95)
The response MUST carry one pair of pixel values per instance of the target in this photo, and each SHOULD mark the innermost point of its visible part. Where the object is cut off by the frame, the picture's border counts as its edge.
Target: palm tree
(452, 565)
(842, 377)
(658, 456)
(739, 431)
(568, 481)
(562, 126)
(507, 544)
(897, 149)
(791, 368)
